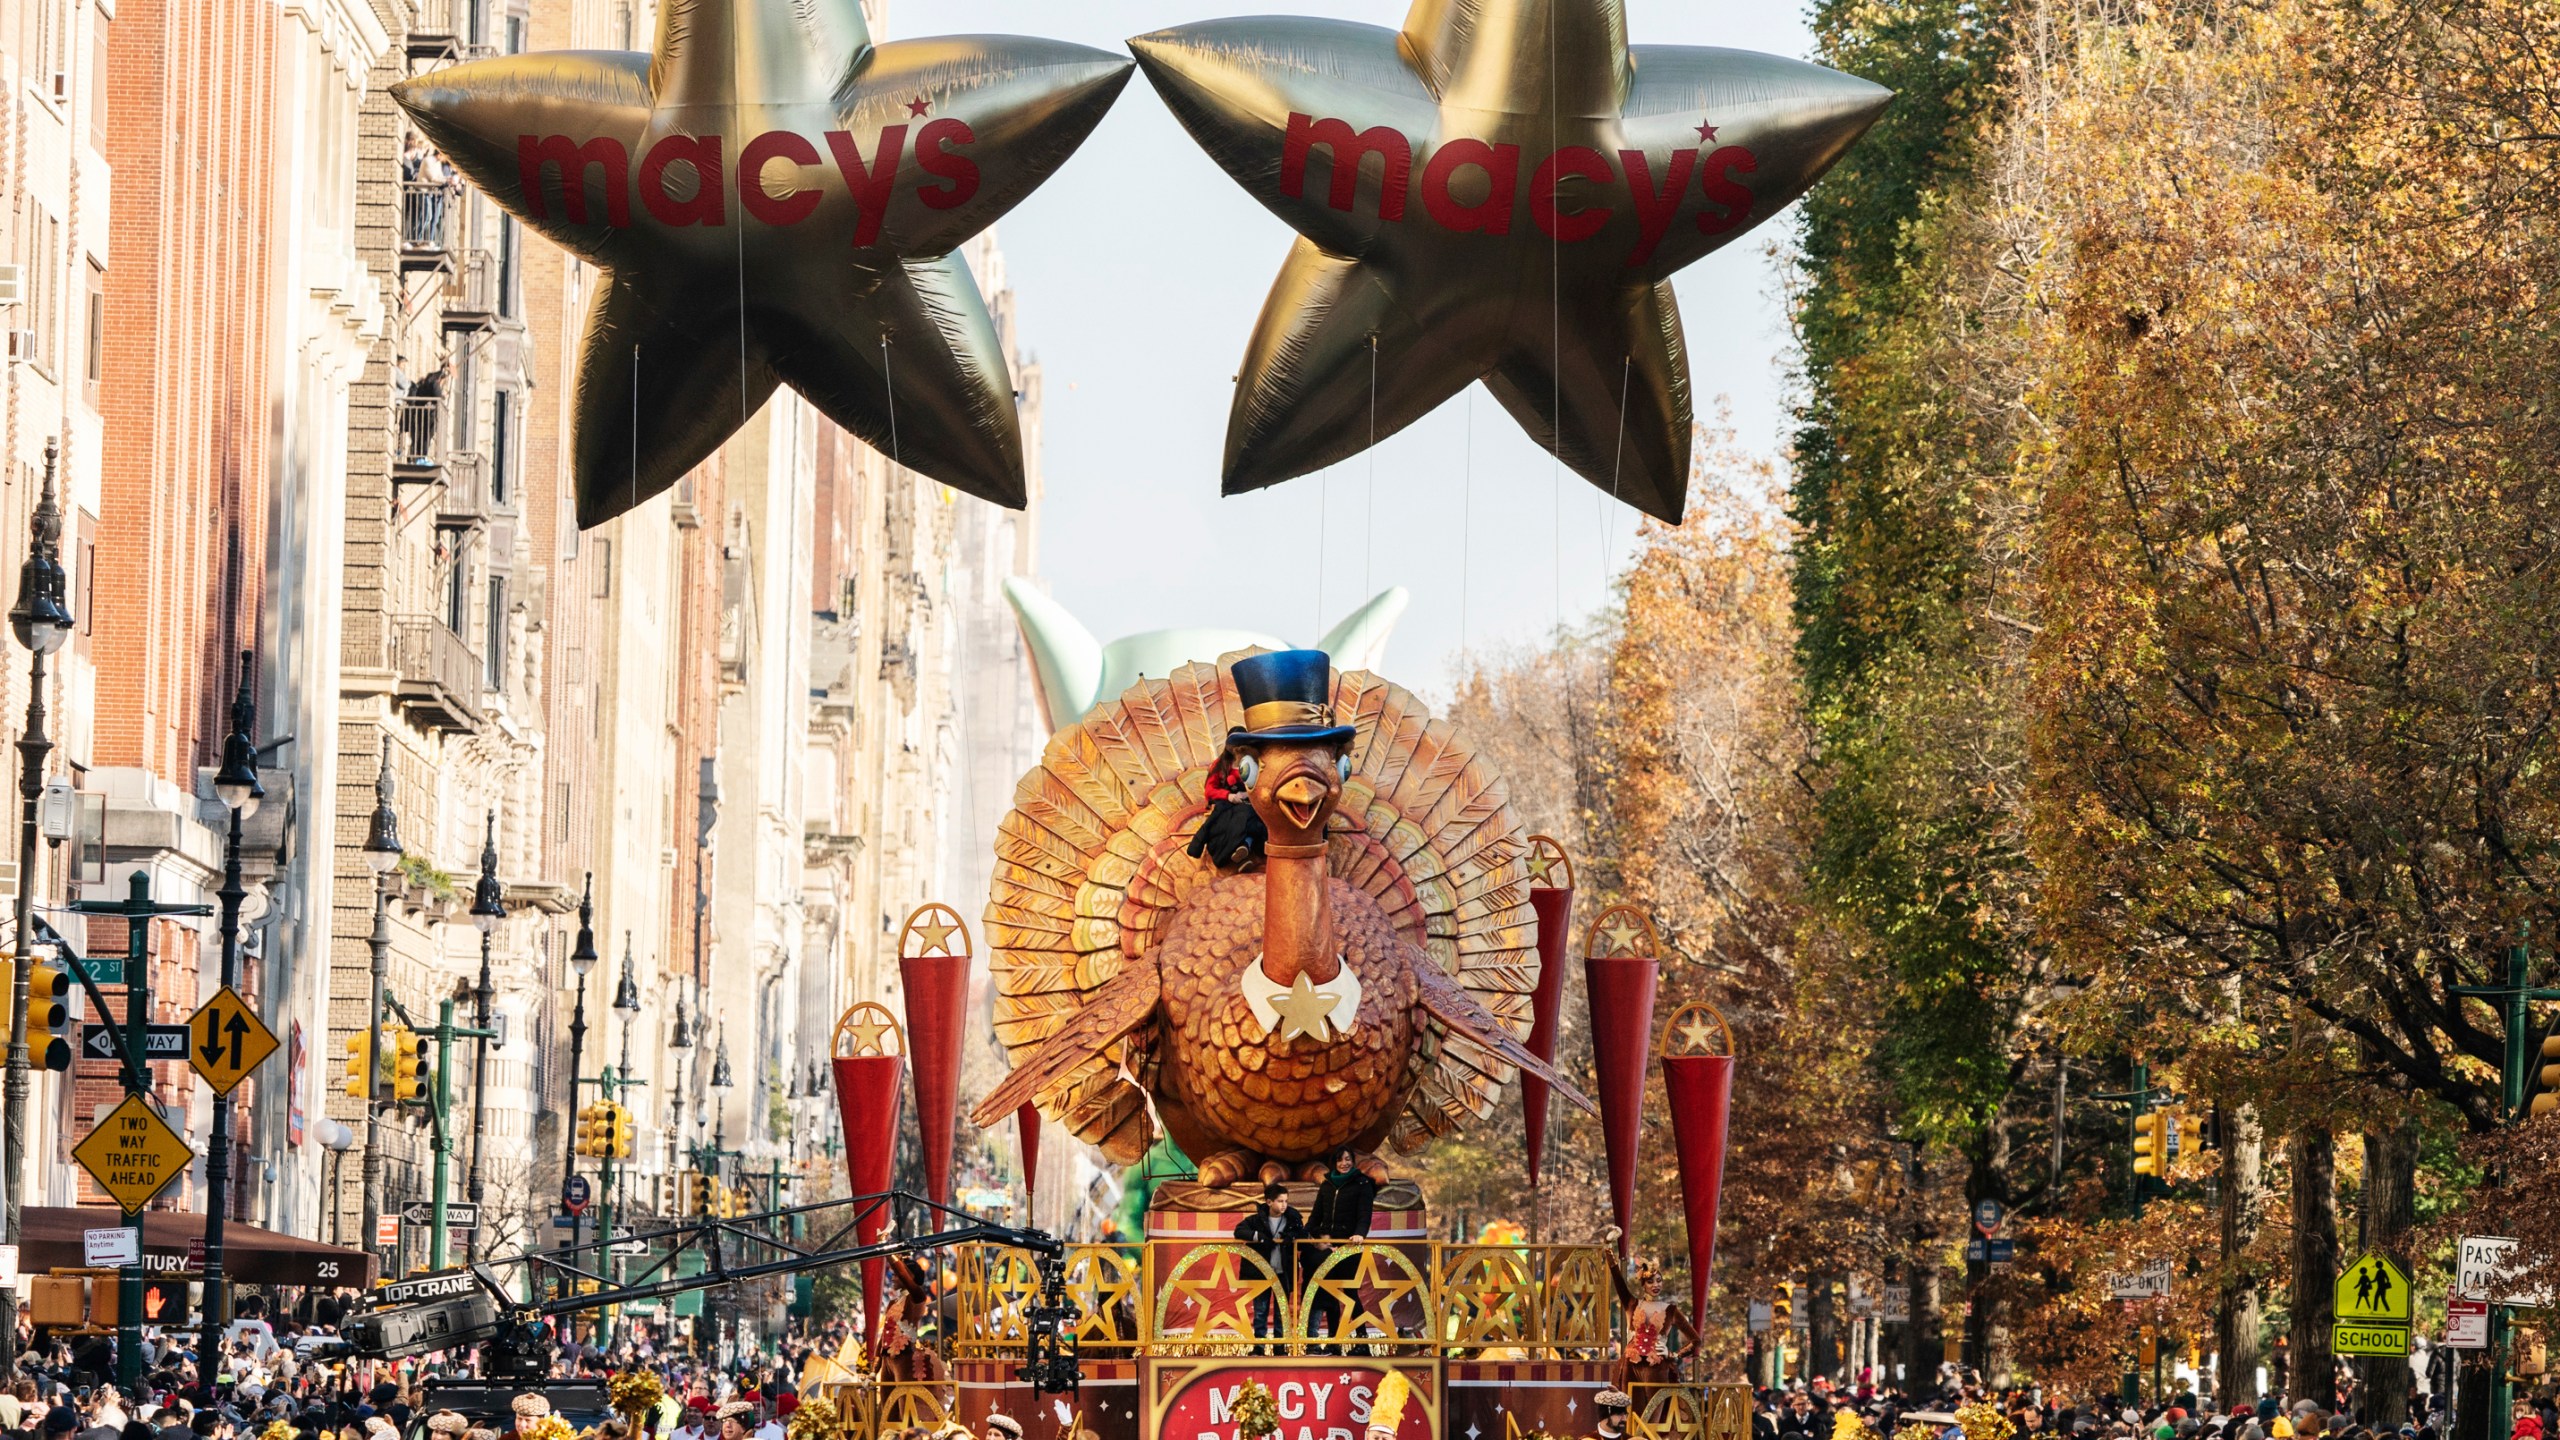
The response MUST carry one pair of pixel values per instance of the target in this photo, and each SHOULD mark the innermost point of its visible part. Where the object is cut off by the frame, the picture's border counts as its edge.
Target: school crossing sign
(2374, 1309)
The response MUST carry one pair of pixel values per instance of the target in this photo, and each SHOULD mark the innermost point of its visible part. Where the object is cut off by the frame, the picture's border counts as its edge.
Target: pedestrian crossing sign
(2373, 1291)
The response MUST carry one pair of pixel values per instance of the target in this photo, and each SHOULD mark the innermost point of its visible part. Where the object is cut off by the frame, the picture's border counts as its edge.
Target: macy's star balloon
(1499, 191)
(773, 199)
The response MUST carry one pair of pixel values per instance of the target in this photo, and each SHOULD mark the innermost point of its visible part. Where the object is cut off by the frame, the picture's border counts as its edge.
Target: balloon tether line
(889, 377)
(1369, 547)
(1609, 516)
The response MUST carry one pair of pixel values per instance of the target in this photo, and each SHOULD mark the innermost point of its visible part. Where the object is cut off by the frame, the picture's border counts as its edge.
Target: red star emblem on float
(1497, 192)
(764, 214)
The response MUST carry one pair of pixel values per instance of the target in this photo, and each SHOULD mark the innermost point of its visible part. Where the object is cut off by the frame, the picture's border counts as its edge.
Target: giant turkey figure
(1339, 996)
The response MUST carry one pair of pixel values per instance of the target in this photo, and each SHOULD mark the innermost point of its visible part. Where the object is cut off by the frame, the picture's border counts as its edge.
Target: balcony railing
(465, 501)
(434, 27)
(471, 298)
(417, 437)
(427, 209)
(439, 673)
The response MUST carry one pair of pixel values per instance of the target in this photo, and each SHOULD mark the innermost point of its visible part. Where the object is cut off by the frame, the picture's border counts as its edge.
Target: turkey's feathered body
(1224, 1084)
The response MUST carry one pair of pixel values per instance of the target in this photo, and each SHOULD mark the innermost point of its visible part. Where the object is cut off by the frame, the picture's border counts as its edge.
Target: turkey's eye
(1247, 768)
(1342, 764)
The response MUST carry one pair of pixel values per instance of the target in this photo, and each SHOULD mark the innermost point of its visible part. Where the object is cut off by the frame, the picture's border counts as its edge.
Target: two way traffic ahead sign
(2374, 1309)
(133, 1154)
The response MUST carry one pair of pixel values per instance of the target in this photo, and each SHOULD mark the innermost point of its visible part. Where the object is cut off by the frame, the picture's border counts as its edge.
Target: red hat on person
(784, 1406)
(698, 1402)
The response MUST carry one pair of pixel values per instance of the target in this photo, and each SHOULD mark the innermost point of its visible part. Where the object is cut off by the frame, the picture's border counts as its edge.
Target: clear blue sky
(1140, 269)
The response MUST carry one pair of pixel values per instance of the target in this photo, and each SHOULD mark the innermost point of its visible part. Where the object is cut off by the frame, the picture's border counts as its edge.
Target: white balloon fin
(1065, 657)
(1360, 641)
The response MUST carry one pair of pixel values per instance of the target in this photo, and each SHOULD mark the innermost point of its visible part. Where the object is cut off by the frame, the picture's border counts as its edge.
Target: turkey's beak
(1301, 798)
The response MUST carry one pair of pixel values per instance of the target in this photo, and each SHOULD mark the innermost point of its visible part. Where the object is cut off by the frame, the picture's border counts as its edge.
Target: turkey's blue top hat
(1288, 698)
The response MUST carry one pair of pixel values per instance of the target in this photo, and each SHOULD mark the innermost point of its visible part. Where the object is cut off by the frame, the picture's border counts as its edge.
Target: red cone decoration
(869, 1078)
(1619, 965)
(933, 964)
(1553, 903)
(1697, 1079)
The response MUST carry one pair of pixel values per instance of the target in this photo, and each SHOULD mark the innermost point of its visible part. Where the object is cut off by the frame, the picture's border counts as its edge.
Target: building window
(457, 582)
(98, 80)
(507, 251)
(502, 447)
(604, 568)
(497, 633)
(93, 365)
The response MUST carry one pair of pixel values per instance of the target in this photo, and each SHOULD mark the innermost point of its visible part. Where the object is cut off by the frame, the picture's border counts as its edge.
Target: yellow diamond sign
(133, 1154)
(2372, 1291)
(226, 1040)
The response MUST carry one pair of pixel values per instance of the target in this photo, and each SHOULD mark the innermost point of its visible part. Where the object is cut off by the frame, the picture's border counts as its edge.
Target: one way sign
(458, 1214)
(168, 1042)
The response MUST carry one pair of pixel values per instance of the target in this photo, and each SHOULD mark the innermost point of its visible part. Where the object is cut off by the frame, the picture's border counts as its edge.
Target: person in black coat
(1346, 1205)
(1274, 1231)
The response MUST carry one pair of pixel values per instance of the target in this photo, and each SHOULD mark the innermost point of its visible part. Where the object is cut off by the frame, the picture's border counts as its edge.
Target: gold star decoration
(1697, 1036)
(1621, 937)
(1497, 192)
(934, 934)
(770, 198)
(1305, 1010)
(1540, 862)
(870, 1025)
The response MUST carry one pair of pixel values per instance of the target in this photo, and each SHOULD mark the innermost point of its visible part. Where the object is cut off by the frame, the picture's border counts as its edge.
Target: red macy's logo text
(953, 177)
(1728, 202)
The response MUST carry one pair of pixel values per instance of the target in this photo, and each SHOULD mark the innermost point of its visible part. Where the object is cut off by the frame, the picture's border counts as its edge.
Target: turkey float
(1364, 982)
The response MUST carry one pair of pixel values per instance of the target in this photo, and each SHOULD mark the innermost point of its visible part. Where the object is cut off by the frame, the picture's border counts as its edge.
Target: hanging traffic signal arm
(2543, 1097)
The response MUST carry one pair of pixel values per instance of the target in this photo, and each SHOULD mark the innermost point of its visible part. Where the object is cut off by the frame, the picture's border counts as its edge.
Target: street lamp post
(237, 785)
(381, 856)
(42, 623)
(680, 1040)
(626, 999)
(720, 1083)
(582, 958)
(488, 911)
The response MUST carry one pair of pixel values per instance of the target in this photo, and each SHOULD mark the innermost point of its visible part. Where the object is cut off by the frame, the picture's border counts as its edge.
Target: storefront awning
(49, 1239)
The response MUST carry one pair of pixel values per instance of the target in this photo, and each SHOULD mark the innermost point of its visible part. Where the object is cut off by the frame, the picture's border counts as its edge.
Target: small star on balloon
(1621, 936)
(1706, 131)
(1305, 1010)
(918, 106)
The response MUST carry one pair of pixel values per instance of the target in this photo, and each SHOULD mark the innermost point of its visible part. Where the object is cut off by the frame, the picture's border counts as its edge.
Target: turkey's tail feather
(1459, 1014)
(1115, 1010)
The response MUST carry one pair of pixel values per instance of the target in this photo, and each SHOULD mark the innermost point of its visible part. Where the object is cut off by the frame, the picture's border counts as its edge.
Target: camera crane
(477, 1306)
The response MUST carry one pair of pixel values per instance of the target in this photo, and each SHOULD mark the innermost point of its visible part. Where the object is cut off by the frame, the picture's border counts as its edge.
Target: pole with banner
(933, 970)
(1551, 900)
(870, 1069)
(1697, 1081)
(132, 1154)
(1621, 966)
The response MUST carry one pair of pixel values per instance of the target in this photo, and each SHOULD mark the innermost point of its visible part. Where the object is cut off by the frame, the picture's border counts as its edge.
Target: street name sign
(2374, 1309)
(226, 1040)
(168, 1042)
(458, 1215)
(110, 1247)
(133, 1154)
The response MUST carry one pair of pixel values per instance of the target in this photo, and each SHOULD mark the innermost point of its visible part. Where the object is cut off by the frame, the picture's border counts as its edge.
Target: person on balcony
(1274, 1231)
(1346, 1206)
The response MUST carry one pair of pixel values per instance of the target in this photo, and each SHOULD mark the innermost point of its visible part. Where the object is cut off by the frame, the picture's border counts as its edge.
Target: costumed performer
(1611, 1406)
(1652, 1324)
(1231, 834)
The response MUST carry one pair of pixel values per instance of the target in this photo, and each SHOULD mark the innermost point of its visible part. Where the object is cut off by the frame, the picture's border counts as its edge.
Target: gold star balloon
(773, 199)
(1501, 191)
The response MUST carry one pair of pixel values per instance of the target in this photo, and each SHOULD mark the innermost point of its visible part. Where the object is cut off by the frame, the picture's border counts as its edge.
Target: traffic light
(408, 1065)
(2151, 1144)
(359, 1062)
(164, 1302)
(697, 1193)
(48, 993)
(1782, 1310)
(623, 1134)
(594, 1131)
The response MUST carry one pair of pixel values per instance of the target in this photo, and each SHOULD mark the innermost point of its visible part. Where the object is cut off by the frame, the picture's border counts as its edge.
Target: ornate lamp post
(582, 959)
(488, 911)
(626, 999)
(723, 1082)
(381, 856)
(680, 1040)
(237, 785)
(42, 622)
